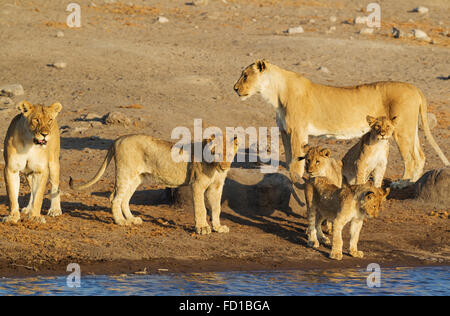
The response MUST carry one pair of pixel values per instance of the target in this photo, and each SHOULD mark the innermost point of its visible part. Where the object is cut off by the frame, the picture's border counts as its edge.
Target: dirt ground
(164, 75)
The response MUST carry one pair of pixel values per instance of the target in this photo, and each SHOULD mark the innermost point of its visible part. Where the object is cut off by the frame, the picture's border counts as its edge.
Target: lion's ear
(25, 107)
(56, 107)
(261, 64)
(325, 152)
(370, 120)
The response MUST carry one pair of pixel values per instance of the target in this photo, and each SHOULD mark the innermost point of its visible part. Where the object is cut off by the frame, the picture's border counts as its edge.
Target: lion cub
(370, 154)
(342, 205)
(142, 157)
(32, 147)
(318, 163)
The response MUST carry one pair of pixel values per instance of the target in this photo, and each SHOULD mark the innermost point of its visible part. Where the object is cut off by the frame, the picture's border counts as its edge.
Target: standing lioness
(32, 147)
(305, 108)
(140, 157)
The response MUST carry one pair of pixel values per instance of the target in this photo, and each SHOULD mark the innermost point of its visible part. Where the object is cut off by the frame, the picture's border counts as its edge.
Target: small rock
(421, 35)
(199, 2)
(366, 30)
(117, 118)
(420, 9)
(60, 34)
(331, 29)
(295, 30)
(11, 90)
(333, 19)
(162, 19)
(58, 65)
(312, 21)
(323, 69)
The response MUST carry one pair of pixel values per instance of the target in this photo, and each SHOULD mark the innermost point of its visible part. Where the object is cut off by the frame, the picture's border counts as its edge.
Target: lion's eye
(377, 127)
(35, 121)
(245, 77)
(317, 162)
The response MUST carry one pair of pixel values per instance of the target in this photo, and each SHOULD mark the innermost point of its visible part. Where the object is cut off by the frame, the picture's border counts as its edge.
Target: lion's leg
(285, 138)
(12, 180)
(134, 184)
(55, 205)
(213, 197)
(38, 186)
(312, 232)
(198, 196)
(27, 210)
(355, 229)
(378, 174)
(412, 155)
(336, 247)
(116, 203)
(320, 235)
(298, 139)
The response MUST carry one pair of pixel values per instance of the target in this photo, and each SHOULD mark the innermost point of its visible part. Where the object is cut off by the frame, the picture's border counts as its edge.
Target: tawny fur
(32, 147)
(341, 205)
(304, 108)
(142, 157)
(370, 154)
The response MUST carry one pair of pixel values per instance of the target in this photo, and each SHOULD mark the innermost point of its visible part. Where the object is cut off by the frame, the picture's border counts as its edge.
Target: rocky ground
(157, 65)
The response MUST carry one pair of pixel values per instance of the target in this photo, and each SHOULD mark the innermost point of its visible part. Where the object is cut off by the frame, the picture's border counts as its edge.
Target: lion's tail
(99, 174)
(426, 129)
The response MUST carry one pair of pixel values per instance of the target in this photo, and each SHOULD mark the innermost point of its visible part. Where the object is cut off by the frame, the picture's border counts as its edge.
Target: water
(396, 281)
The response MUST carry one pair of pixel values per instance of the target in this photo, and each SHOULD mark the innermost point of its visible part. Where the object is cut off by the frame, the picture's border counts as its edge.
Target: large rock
(113, 118)
(11, 90)
(434, 187)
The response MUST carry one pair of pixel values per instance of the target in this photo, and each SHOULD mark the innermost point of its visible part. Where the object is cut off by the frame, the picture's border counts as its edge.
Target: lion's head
(316, 160)
(249, 82)
(40, 119)
(371, 199)
(381, 127)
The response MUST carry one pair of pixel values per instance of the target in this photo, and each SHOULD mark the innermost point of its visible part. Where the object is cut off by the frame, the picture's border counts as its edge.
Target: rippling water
(396, 281)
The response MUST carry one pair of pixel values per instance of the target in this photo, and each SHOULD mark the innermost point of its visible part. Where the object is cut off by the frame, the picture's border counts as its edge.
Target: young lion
(32, 147)
(140, 157)
(342, 205)
(318, 163)
(370, 154)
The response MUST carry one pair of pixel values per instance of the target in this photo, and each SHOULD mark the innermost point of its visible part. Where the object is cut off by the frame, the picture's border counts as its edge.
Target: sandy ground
(164, 75)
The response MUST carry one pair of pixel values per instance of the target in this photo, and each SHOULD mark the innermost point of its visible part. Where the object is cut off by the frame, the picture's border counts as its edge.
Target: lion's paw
(356, 253)
(312, 244)
(134, 221)
(54, 212)
(336, 255)
(37, 219)
(11, 219)
(203, 230)
(221, 229)
(325, 240)
(122, 222)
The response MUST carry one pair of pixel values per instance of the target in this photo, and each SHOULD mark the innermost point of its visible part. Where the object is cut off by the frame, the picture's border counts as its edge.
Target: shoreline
(186, 266)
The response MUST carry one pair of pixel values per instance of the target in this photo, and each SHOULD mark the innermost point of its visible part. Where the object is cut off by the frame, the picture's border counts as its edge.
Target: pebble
(199, 2)
(333, 19)
(58, 65)
(11, 90)
(162, 19)
(323, 69)
(421, 10)
(421, 35)
(60, 34)
(331, 29)
(397, 33)
(295, 30)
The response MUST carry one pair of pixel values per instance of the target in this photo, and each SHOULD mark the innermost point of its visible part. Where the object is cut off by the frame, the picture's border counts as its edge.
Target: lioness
(305, 108)
(370, 154)
(32, 147)
(318, 163)
(140, 157)
(342, 205)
